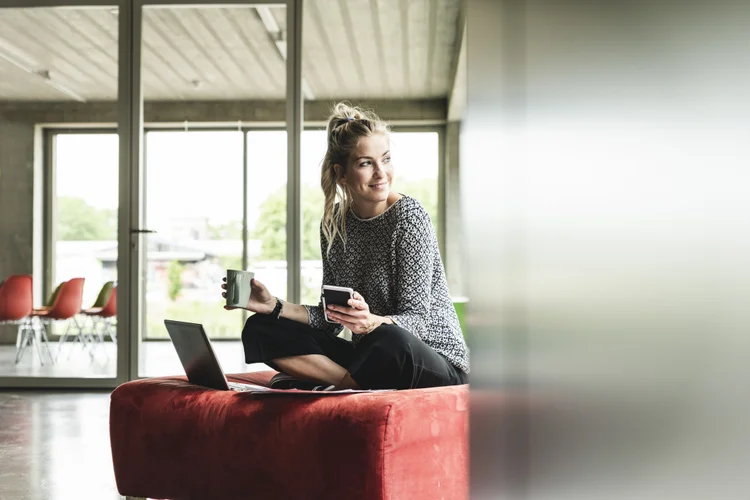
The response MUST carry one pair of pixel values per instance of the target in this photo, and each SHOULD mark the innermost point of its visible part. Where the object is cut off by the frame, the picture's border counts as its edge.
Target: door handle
(137, 231)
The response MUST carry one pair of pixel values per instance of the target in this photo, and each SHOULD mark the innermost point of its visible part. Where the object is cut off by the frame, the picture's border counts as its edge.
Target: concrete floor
(55, 445)
(157, 358)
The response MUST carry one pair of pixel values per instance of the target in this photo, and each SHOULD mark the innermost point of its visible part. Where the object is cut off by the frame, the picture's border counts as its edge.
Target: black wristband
(276, 313)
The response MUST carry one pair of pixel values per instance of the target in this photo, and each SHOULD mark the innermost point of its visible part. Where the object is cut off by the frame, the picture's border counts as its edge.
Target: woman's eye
(387, 159)
(364, 164)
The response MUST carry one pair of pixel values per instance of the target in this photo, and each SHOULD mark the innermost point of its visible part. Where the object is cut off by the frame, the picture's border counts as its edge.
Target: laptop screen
(196, 355)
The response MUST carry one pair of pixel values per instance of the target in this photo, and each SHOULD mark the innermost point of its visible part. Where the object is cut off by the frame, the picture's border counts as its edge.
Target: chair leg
(44, 338)
(19, 337)
(97, 333)
(38, 349)
(24, 342)
(108, 329)
(94, 323)
(111, 330)
(81, 337)
(85, 337)
(61, 341)
(104, 346)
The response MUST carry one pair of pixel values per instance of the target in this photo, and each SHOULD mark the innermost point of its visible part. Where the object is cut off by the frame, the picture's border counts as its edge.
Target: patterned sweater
(394, 262)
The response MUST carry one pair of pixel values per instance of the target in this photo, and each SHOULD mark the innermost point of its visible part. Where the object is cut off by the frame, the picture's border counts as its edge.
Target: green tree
(312, 212)
(231, 230)
(229, 262)
(174, 274)
(79, 221)
(271, 226)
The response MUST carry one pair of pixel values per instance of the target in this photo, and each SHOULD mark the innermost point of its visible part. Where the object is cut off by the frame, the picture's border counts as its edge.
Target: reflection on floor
(55, 445)
(157, 358)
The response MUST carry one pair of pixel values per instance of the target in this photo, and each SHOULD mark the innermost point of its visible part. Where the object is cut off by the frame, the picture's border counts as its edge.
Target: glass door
(59, 195)
(214, 162)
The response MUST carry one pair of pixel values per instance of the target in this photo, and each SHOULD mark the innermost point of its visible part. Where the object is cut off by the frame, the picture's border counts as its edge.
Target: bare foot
(347, 383)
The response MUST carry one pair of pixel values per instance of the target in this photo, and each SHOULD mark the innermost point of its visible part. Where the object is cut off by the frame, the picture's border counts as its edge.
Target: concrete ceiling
(363, 49)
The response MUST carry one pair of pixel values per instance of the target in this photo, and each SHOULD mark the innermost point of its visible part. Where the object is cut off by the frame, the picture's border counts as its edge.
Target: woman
(405, 333)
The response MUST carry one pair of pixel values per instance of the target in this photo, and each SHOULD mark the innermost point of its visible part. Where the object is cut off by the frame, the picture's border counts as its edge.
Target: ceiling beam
(226, 111)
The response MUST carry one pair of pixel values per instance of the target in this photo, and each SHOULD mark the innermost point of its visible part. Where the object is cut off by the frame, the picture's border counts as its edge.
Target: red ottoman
(174, 440)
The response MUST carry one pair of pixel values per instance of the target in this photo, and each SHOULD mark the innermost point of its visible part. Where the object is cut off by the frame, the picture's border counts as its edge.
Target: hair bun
(343, 113)
(346, 112)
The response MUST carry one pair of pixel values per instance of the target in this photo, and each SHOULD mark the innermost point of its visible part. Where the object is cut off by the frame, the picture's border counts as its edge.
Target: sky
(199, 173)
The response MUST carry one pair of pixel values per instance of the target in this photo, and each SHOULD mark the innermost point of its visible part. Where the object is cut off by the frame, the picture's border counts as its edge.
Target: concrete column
(16, 204)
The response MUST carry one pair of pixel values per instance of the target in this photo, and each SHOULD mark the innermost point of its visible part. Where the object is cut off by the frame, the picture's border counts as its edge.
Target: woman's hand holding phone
(356, 317)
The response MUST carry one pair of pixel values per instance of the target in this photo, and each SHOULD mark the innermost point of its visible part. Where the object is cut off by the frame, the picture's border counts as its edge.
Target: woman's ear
(340, 177)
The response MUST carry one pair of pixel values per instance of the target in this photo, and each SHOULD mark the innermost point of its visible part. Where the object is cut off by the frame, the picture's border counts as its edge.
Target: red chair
(67, 304)
(16, 303)
(51, 298)
(103, 312)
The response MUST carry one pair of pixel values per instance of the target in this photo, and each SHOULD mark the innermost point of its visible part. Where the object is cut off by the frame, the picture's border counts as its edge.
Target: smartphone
(335, 295)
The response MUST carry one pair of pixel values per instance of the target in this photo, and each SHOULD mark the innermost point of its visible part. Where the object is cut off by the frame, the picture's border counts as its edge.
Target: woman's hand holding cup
(261, 301)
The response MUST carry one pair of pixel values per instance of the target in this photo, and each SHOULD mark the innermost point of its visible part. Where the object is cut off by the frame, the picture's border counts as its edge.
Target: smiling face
(369, 173)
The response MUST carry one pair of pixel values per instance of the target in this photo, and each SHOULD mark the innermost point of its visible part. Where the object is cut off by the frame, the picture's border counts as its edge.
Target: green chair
(102, 314)
(88, 335)
(103, 297)
(52, 298)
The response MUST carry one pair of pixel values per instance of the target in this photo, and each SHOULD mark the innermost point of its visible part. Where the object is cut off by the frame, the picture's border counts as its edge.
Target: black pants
(389, 357)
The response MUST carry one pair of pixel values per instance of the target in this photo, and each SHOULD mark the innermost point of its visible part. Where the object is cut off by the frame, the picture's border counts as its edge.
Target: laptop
(199, 360)
(202, 367)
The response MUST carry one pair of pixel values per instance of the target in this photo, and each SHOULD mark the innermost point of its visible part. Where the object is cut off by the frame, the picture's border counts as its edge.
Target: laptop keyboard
(240, 387)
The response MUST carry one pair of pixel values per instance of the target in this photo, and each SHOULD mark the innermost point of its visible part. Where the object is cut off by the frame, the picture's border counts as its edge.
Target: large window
(194, 201)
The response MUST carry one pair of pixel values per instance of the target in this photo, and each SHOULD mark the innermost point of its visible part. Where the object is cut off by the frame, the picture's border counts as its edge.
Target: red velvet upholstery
(171, 439)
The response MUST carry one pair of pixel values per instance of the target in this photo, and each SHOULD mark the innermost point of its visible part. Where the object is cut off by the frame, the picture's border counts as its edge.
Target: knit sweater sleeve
(416, 247)
(315, 313)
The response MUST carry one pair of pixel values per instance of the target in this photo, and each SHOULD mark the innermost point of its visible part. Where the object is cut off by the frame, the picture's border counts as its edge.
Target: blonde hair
(347, 124)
